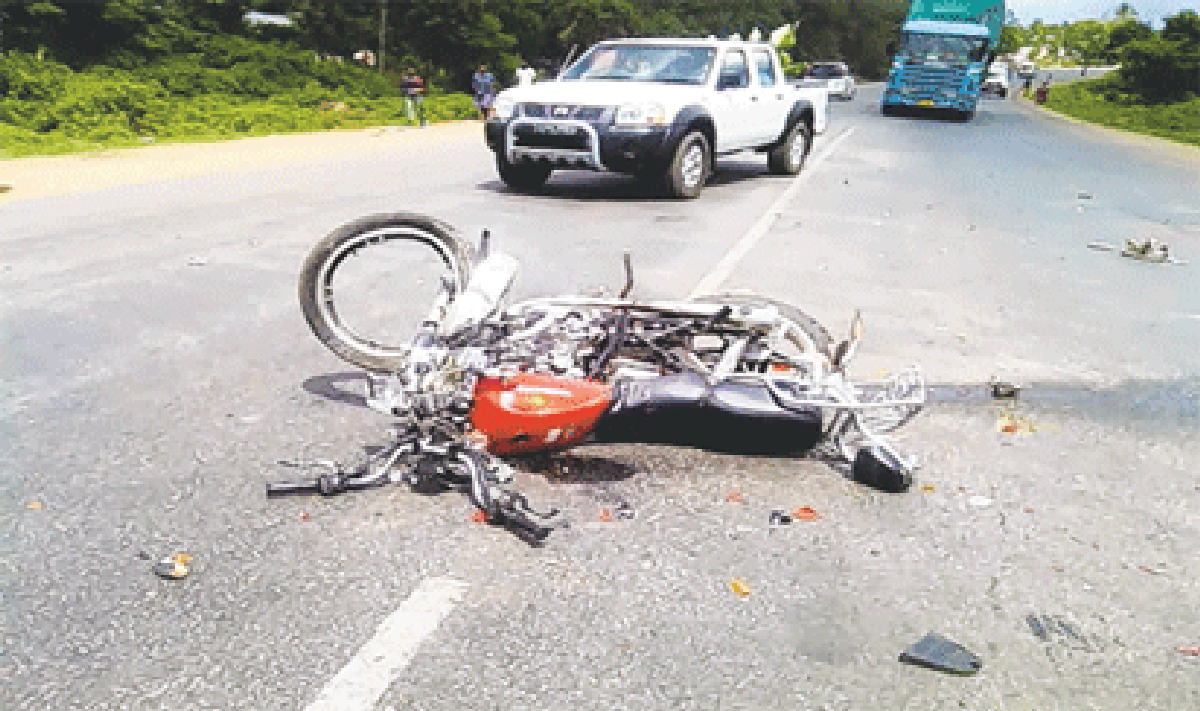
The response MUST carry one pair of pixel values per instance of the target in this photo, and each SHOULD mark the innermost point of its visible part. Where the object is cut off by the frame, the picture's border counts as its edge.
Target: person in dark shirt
(413, 87)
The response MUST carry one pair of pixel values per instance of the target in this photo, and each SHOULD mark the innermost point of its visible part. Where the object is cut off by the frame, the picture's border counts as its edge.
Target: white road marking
(725, 267)
(365, 677)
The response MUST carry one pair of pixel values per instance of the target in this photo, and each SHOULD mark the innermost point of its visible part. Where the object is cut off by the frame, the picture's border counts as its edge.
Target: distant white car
(997, 80)
(834, 77)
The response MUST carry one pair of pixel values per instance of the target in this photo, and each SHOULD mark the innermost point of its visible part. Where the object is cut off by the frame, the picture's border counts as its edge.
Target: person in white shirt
(526, 74)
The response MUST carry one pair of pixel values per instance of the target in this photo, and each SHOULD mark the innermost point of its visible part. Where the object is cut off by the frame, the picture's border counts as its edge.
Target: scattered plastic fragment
(624, 510)
(1191, 651)
(34, 505)
(1037, 627)
(5, 188)
(1028, 509)
(480, 516)
(1149, 250)
(735, 497)
(1083, 195)
(1102, 246)
(1010, 423)
(779, 518)
(174, 567)
(927, 488)
(740, 586)
(606, 515)
(979, 502)
(197, 262)
(1151, 571)
(305, 517)
(806, 513)
(940, 654)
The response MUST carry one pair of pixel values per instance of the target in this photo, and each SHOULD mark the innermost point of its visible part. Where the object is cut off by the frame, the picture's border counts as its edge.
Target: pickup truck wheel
(689, 167)
(522, 176)
(789, 157)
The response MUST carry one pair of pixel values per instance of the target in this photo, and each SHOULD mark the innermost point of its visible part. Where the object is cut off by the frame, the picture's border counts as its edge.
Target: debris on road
(1010, 423)
(480, 516)
(34, 505)
(779, 518)
(305, 517)
(1084, 195)
(1149, 250)
(1191, 650)
(624, 510)
(740, 587)
(979, 502)
(197, 261)
(806, 513)
(5, 188)
(1003, 390)
(175, 567)
(927, 488)
(606, 515)
(1102, 246)
(940, 654)
(735, 497)
(1037, 627)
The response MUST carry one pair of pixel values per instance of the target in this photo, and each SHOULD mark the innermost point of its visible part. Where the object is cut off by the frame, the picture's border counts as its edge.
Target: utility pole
(382, 31)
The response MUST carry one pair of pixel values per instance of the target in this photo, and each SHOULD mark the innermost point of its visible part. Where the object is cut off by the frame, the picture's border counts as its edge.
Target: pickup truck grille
(551, 136)
(590, 114)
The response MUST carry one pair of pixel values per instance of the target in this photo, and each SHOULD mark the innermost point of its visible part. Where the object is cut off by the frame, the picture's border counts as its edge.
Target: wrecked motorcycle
(480, 380)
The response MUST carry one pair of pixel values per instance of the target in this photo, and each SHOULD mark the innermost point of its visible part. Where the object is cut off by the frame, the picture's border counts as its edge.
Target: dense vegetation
(1156, 90)
(80, 75)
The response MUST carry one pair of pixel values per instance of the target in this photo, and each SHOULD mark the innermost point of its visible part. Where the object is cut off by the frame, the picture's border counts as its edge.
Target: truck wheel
(690, 166)
(789, 157)
(522, 176)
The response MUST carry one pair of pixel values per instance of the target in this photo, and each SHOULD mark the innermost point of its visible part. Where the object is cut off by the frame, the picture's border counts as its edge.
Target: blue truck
(941, 59)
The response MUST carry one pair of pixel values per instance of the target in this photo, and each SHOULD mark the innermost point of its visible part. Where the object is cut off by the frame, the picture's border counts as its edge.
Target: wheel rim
(798, 149)
(325, 297)
(692, 166)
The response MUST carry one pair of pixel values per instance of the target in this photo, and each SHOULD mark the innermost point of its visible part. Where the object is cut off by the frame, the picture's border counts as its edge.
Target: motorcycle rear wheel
(406, 252)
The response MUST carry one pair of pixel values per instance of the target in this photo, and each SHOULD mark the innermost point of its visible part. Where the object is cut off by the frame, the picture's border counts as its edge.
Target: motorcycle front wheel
(366, 288)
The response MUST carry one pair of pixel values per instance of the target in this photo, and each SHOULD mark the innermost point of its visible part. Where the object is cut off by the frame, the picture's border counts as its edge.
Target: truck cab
(942, 56)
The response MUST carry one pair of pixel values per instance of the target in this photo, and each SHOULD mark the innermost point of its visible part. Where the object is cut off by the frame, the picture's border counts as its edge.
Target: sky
(1053, 12)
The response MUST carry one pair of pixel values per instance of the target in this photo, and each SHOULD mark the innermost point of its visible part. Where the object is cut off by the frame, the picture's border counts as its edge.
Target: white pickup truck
(662, 109)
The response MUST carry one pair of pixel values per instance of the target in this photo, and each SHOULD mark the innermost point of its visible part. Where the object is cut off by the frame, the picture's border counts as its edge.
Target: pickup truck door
(732, 103)
(770, 102)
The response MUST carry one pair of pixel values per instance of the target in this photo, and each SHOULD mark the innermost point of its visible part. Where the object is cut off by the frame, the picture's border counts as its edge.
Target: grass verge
(1101, 102)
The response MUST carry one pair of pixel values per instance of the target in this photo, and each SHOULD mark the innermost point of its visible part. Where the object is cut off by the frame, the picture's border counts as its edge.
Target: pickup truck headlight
(504, 107)
(641, 115)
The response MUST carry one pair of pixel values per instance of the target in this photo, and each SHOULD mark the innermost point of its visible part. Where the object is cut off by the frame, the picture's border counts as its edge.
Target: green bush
(229, 87)
(1103, 101)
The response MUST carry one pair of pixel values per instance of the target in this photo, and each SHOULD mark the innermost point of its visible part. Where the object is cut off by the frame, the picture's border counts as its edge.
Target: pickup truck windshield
(922, 48)
(644, 63)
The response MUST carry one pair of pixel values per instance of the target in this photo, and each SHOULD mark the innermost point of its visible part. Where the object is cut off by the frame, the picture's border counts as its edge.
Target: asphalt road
(157, 373)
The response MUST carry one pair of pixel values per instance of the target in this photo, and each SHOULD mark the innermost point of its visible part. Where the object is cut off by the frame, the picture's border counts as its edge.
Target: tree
(1183, 28)
(1123, 32)
(1088, 41)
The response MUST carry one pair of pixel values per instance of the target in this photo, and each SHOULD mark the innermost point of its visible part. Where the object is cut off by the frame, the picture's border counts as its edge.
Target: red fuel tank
(532, 412)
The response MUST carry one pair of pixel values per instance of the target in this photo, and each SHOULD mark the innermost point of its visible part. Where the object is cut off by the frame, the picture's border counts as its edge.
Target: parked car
(834, 77)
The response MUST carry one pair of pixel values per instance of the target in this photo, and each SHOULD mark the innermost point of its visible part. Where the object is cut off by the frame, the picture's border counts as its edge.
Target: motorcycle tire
(816, 333)
(371, 351)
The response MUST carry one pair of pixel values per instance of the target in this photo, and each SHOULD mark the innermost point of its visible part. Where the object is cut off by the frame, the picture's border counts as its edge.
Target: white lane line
(365, 677)
(725, 267)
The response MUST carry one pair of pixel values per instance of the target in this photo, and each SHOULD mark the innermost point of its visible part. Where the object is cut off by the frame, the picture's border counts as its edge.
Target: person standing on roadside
(483, 84)
(526, 74)
(413, 87)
